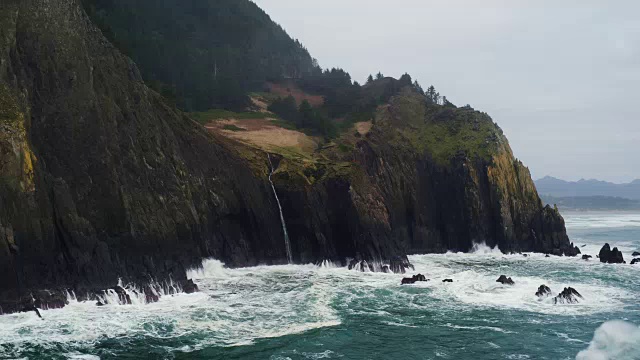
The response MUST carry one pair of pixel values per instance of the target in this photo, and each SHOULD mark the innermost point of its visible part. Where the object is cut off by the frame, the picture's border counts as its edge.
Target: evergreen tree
(379, 76)
(285, 108)
(418, 88)
(207, 54)
(405, 80)
(431, 94)
(370, 79)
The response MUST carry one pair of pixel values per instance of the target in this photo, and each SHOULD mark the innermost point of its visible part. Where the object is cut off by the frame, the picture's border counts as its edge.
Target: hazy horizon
(562, 84)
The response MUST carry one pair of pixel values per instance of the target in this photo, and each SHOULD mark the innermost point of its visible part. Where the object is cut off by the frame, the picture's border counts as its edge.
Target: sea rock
(447, 280)
(150, 294)
(635, 261)
(547, 255)
(413, 279)
(360, 265)
(47, 300)
(100, 303)
(505, 280)
(525, 255)
(568, 296)
(543, 290)
(635, 253)
(586, 257)
(189, 287)
(610, 256)
(123, 297)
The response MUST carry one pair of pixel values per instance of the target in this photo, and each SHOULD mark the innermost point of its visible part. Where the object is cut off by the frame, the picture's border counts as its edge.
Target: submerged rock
(611, 256)
(413, 279)
(503, 279)
(447, 280)
(568, 296)
(30, 309)
(543, 290)
(586, 257)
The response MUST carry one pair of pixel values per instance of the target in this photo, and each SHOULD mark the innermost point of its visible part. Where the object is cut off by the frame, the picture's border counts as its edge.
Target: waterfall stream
(284, 225)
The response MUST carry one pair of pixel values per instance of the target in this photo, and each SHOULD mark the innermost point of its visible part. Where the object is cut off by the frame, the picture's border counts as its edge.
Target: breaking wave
(616, 339)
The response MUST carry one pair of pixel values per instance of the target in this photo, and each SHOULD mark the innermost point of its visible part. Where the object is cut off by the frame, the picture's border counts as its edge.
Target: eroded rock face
(611, 256)
(568, 296)
(543, 290)
(504, 280)
(189, 286)
(123, 297)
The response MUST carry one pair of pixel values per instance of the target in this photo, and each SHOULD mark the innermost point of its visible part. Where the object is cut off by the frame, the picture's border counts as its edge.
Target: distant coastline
(592, 203)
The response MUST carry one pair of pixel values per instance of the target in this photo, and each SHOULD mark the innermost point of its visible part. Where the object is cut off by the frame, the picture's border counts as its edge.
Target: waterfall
(284, 225)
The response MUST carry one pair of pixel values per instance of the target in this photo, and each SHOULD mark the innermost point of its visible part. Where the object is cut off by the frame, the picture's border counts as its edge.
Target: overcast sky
(562, 77)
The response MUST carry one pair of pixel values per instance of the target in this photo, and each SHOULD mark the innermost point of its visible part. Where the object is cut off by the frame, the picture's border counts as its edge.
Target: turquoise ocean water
(324, 312)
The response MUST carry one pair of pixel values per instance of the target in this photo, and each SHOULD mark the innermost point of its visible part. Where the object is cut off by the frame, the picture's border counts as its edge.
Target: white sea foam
(328, 264)
(474, 283)
(616, 339)
(238, 306)
(483, 248)
(479, 328)
(211, 268)
(77, 356)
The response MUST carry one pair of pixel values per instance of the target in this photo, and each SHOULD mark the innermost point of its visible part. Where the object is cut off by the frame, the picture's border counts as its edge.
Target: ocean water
(326, 312)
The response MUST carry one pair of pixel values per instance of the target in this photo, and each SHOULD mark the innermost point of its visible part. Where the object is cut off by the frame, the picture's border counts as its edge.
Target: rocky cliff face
(433, 179)
(100, 179)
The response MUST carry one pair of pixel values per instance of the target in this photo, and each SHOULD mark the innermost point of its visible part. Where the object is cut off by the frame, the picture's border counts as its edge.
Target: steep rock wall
(100, 179)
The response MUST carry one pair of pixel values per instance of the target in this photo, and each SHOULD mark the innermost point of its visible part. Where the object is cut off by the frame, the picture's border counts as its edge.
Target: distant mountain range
(591, 202)
(554, 187)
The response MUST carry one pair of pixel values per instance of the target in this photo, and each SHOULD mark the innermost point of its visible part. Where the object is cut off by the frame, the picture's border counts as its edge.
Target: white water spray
(284, 225)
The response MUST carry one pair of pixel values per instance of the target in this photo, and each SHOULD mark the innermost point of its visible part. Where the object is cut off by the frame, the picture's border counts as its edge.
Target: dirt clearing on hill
(284, 90)
(264, 134)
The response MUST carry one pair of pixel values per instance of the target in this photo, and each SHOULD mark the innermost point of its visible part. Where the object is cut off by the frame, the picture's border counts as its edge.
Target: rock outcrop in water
(101, 179)
(611, 256)
(635, 261)
(413, 279)
(586, 257)
(543, 290)
(568, 296)
(504, 280)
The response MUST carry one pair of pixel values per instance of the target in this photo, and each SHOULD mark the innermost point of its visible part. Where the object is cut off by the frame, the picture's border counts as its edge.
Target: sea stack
(611, 256)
